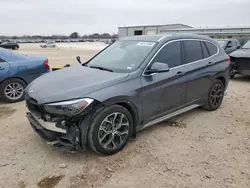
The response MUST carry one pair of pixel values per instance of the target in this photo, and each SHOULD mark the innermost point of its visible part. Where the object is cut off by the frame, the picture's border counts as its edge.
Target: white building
(218, 32)
(147, 29)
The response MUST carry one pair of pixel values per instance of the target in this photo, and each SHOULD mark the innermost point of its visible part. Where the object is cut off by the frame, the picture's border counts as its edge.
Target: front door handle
(180, 73)
(1, 68)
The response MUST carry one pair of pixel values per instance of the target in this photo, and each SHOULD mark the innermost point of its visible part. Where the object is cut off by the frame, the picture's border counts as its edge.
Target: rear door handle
(2, 68)
(180, 73)
(210, 63)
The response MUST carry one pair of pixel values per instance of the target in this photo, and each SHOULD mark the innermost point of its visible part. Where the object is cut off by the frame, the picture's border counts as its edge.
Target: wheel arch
(14, 78)
(222, 79)
(129, 105)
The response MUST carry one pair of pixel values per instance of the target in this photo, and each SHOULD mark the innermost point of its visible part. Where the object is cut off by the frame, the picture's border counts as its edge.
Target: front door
(165, 91)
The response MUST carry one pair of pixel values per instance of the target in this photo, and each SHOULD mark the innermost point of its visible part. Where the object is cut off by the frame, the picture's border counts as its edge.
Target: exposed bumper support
(68, 141)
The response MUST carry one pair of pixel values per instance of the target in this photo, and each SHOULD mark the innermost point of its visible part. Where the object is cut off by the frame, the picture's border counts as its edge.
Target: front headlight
(68, 108)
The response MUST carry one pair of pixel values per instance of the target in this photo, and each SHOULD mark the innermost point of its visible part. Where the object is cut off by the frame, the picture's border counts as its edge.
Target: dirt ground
(198, 149)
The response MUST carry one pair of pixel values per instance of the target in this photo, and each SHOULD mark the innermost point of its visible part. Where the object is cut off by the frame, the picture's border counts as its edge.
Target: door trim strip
(178, 112)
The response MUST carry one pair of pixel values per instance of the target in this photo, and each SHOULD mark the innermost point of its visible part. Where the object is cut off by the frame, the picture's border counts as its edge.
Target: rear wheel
(110, 129)
(215, 96)
(12, 90)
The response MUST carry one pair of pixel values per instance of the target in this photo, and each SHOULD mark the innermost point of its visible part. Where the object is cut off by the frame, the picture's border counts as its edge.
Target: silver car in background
(48, 45)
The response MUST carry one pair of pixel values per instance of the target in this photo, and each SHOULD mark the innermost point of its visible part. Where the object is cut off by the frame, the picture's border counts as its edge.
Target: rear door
(164, 91)
(4, 68)
(197, 61)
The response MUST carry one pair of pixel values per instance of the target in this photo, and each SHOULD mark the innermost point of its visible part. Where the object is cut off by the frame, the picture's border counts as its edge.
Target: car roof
(164, 38)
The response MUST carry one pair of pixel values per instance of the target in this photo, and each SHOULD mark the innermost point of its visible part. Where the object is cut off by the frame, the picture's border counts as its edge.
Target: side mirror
(78, 59)
(238, 47)
(229, 45)
(158, 67)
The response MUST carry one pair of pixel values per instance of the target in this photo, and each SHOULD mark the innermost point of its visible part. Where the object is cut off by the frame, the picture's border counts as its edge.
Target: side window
(204, 50)
(238, 43)
(1, 60)
(192, 49)
(211, 48)
(170, 54)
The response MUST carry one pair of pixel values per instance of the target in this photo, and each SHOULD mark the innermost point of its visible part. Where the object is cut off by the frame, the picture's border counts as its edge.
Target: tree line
(74, 35)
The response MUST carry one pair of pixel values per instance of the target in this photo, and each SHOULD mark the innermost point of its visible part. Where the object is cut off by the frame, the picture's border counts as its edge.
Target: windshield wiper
(101, 68)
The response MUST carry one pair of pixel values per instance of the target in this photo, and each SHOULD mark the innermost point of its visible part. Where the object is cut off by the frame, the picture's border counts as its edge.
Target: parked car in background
(110, 41)
(243, 40)
(132, 84)
(10, 45)
(241, 61)
(17, 71)
(229, 45)
(48, 45)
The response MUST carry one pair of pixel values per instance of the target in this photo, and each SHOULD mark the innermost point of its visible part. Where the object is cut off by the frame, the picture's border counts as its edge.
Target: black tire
(214, 99)
(97, 120)
(5, 84)
(232, 73)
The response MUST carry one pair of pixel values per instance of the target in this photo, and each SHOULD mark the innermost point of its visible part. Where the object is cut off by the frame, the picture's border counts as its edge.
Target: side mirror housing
(78, 59)
(157, 67)
(229, 45)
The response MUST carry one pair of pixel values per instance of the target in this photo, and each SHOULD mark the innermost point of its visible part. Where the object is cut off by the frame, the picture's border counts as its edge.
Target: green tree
(74, 35)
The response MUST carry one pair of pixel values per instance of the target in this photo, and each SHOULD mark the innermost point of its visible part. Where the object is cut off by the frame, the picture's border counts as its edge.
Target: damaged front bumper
(66, 138)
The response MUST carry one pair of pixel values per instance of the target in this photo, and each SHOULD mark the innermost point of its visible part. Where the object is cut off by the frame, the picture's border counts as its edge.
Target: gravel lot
(195, 150)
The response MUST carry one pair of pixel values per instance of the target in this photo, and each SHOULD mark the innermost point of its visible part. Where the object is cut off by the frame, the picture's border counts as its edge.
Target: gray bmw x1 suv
(132, 84)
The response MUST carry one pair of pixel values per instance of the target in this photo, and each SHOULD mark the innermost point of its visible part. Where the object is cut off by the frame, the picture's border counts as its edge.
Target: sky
(47, 17)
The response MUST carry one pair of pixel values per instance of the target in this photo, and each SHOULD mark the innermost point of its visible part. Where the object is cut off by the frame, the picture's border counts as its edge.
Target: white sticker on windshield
(129, 68)
(149, 44)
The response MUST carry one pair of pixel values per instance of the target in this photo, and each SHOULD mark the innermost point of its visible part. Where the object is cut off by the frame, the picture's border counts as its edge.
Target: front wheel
(110, 129)
(215, 96)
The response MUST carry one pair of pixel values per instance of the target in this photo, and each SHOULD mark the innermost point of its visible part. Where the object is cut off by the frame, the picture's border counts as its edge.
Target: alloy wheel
(216, 95)
(14, 91)
(113, 131)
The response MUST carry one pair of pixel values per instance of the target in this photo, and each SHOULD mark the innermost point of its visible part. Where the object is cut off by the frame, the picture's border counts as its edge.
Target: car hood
(70, 83)
(241, 53)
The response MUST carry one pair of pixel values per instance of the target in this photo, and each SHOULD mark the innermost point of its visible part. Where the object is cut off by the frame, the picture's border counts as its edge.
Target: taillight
(46, 64)
(228, 60)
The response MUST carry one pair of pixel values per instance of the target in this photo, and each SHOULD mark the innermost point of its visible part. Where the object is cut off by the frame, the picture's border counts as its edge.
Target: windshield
(123, 56)
(222, 43)
(247, 45)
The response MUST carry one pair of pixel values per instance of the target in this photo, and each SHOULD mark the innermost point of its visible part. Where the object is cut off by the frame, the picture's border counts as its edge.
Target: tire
(6, 86)
(215, 98)
(102, 132)
(232, 73)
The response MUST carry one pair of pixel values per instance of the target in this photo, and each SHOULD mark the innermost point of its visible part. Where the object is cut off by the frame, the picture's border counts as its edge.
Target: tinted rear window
(211, 48)
(192, 49)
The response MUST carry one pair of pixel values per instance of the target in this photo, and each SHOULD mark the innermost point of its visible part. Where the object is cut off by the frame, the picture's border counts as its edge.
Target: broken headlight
(68, 108)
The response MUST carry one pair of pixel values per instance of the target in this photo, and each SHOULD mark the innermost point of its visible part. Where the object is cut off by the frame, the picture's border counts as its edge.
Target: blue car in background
(17, 71)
